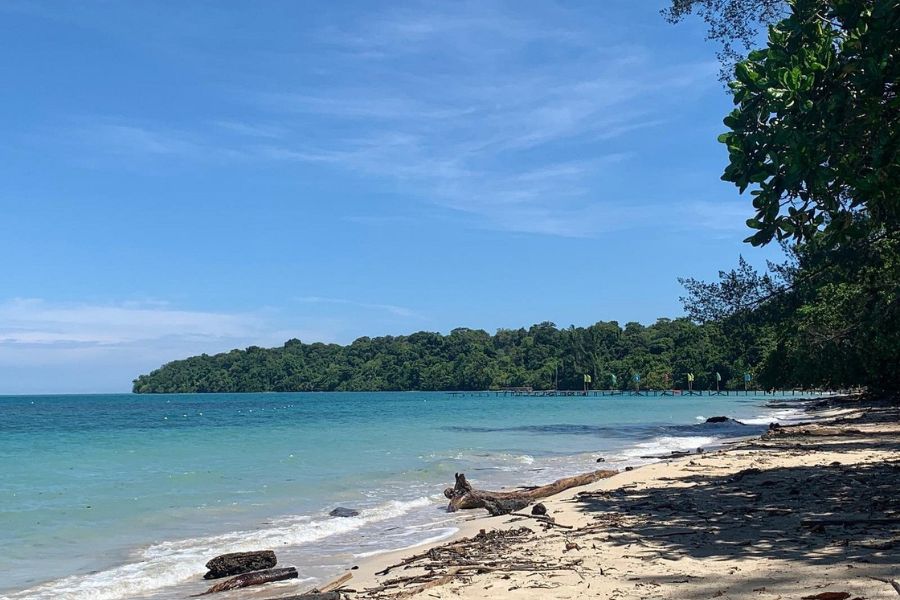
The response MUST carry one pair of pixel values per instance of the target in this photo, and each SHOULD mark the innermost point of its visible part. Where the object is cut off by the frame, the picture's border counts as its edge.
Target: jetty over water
(525, 392)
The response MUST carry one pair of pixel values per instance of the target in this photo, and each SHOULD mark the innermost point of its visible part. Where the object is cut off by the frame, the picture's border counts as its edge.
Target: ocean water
(124, 496)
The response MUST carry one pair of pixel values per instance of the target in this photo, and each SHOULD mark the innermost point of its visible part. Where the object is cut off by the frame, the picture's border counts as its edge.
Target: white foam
(170, 563)
(444, 534)
(790, 415)
(667, 444)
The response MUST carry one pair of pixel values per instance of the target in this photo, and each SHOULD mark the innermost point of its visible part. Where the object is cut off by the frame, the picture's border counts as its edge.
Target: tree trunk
(463, 495)
(254, 578)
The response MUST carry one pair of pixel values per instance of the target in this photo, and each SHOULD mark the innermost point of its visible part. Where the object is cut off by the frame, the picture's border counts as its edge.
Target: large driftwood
(236, 563)
(254, 578)
(463, 495)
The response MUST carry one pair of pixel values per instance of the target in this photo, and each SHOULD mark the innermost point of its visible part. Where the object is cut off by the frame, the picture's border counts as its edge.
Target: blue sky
(186, 177)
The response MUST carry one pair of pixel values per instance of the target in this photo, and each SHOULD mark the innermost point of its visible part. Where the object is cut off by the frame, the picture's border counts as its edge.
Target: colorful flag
(691, 377)
(587, 378)
(718, 377)
(613, 378)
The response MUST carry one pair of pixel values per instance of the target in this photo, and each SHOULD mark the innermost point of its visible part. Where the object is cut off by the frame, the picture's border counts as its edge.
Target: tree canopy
(814, 137)
(540, 357)
(815, 130)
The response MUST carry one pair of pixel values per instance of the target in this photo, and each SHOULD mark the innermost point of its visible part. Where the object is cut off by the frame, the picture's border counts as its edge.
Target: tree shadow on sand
(817, 514)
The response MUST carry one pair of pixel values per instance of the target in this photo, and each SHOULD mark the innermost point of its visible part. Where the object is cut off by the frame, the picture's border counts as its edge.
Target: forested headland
(471, 359)
(813, 140)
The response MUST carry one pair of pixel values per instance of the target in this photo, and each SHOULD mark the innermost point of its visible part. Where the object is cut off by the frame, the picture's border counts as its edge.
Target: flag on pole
(718, 377)
(613, 378)
(747, 377)
(587, 378)
(637, 378)
(691, 377)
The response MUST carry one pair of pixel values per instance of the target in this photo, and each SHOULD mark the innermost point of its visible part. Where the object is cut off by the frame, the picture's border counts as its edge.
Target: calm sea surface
(115, 496)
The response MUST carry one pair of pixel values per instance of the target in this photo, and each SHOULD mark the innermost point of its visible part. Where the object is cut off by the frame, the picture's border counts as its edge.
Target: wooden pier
(522, 392)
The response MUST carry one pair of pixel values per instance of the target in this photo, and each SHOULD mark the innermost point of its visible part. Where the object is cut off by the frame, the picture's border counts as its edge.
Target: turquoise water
(114, 496)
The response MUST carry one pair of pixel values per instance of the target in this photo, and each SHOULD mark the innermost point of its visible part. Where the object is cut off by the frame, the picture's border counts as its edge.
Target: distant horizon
(210, 177)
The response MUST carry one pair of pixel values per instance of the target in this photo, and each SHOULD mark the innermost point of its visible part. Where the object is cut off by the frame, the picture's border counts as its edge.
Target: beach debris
(462, 495)
(254, 578)
(312, 596)
(336, 583)
(601, 459)
(235, 563)
(891, 582)
(548, 521)
(341, 511)
(486, 552)
(828, 596)
(539, 509)
(504, 506)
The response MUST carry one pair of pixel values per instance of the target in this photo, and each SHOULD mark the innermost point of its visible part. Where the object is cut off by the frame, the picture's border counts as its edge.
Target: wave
(667, 444)
(169, 563)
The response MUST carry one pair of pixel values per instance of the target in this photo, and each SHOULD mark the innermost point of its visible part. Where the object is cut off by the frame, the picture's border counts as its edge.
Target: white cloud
(43, 344)
(399, 311)
(36, 322)
(80, 347)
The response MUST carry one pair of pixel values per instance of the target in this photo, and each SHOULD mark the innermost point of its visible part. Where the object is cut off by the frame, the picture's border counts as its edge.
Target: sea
(105, 497)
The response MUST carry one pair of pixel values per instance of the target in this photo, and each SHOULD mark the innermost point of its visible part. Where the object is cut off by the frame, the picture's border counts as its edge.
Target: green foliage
(467, 359)
(815, 131)
(733, 24)
(815, 136)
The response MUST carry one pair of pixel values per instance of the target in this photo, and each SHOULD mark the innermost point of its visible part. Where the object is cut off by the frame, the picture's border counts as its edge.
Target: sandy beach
(806, 511)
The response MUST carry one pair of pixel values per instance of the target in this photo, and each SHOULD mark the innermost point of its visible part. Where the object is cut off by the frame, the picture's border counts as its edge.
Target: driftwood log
(463, 495)
(254, 578)
(236, 563)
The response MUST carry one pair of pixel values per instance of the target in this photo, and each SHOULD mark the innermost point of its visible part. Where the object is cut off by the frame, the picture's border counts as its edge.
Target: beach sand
(805, 510)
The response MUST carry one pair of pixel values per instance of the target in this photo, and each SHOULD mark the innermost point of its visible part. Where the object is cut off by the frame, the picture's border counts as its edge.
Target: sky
(187, 177)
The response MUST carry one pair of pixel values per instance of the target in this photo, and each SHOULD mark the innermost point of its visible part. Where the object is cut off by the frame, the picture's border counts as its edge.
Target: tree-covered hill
(469, 359)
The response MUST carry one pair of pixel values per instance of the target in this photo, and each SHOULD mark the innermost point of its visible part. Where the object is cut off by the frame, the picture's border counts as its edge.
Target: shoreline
(736, 572)
(469, 523)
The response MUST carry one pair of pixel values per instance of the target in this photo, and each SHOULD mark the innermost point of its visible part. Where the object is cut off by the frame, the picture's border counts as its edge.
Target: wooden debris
(892, 582)
(235, 563)
(462, 495)
(254, 578)
(487, 552)
(336, 584)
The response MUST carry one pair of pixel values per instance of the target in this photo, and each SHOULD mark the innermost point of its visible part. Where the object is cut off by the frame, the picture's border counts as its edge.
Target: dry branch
(462, 495)
(254, 578)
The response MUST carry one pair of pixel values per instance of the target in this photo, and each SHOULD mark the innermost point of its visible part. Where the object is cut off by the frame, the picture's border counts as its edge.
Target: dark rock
(629, 468)
(237, 563)
(504, 506)
(340, 511)
(601, 459)
(700, 450)
(539, 509)
(723, 420)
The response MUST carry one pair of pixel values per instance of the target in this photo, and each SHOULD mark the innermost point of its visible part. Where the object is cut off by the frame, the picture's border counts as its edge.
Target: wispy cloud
(36, 322)
(109, 344)
(510, 119)
(399, 311)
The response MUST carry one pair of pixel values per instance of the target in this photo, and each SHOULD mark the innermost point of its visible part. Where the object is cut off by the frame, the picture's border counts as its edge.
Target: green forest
(813, 143)
(469, 359)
